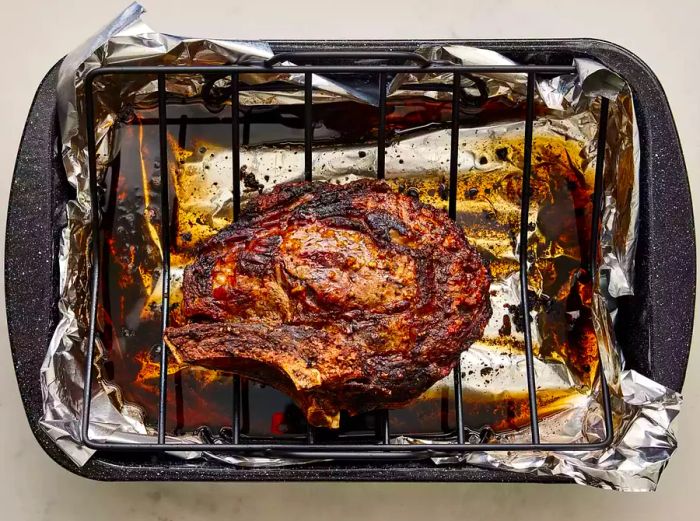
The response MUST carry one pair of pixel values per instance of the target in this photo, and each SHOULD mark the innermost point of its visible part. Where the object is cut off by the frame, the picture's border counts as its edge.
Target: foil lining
(634, 461)
(644, 411)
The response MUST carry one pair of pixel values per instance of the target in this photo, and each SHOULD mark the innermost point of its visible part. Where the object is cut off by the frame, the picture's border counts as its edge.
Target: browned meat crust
(345, 297)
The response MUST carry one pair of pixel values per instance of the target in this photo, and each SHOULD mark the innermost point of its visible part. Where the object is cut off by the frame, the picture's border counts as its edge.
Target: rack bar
(308, 127)
(236, 426)
(350, 455)
(454, 147)
(235, 146)
(273, 448)
(95, 280)
(381, 131)
(598, 187)
(236, 170)
(459, 404)
(345, 55)
(308, 172)
(165, 244)
(595, 239)
(524, 213)
(452, 212)
(326, 69)
(382, 416)
(182, 123)
(382, 426)
(246, 129)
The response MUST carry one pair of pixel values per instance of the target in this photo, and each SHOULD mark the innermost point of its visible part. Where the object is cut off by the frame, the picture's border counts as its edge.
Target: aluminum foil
(634, 461)
(644, 411)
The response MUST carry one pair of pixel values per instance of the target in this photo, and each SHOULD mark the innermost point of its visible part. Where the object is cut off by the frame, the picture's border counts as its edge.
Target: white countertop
(663, 33)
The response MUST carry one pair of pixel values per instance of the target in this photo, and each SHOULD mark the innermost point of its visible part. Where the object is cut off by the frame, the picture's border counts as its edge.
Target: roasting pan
(654, 327)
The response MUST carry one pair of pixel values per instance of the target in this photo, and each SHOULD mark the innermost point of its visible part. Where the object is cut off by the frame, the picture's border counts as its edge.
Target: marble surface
(32, 487)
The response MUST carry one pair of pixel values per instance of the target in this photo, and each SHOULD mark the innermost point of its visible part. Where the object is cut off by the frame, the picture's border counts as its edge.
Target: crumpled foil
(643, 410)
(633, 462)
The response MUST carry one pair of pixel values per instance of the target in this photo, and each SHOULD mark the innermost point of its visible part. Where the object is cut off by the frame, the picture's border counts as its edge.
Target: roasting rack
(379, 444)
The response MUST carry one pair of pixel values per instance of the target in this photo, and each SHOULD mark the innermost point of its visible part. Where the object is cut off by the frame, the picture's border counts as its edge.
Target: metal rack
(377, 446)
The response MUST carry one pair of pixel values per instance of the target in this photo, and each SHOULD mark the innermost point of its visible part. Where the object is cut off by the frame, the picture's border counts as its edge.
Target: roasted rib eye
(347, 297)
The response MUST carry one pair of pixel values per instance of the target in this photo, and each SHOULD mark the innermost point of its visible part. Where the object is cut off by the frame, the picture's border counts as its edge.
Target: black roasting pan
(654, 327)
